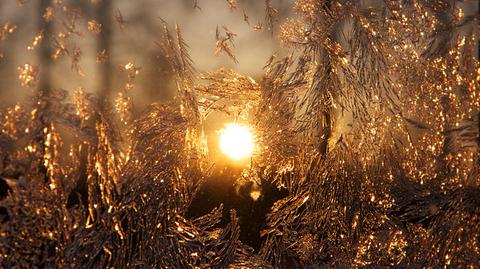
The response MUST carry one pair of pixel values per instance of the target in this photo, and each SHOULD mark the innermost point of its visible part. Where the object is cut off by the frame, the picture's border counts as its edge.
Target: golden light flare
(237, 141)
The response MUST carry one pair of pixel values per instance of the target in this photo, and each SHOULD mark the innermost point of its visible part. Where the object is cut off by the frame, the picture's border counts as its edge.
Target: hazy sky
(135, 43)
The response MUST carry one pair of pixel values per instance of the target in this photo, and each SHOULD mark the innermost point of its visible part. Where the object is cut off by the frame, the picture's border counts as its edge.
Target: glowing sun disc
(236, 141)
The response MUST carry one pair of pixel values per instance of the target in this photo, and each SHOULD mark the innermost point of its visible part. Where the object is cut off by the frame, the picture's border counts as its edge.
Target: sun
(237, 141)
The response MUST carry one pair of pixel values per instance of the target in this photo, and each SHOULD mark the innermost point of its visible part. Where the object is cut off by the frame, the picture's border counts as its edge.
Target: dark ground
(220, 189)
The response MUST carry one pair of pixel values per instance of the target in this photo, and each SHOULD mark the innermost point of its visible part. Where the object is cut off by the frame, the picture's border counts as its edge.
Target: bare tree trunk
(327, 117)
(45, 51)
(87, 188)
(439, 49)
(104, 17)
(45, 81)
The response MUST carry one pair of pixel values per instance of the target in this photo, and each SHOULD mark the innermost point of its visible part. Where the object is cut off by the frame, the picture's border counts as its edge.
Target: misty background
(129, 30)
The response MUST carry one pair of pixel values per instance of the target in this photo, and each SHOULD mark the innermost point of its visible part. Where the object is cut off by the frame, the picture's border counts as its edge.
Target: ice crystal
(94, 26)
(370, 126)
(28, 75)
(7, 29)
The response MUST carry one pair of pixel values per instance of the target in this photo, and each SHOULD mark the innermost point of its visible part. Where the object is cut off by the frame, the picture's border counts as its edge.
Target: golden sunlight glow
(236, 141)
